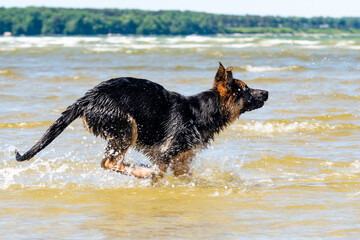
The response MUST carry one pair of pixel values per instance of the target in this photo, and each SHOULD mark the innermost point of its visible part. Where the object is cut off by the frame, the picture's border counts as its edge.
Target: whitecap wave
(250, 68)
(118, 43)
(282, 126)
(277, 42)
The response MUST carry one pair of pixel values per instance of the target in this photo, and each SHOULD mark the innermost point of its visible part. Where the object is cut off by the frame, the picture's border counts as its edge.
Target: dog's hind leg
(114, 159)
(115, 154)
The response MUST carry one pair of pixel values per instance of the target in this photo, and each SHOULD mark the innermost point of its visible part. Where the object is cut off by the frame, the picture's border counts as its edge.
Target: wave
(353, 47)
(10, 72)
(5, 72)
(209, 39)
(239, 45)
(303, 124)
(267, 80)
(288, 126)
(329, 96)
(250, 68)
(271, 162)
(21, 125)
(122, 43)
(276, 42)
(76, 78)
(291, 171)
(157, 68)
(332, 117)
(347, 44)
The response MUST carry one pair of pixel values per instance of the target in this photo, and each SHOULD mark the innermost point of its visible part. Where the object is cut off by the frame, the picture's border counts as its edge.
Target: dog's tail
(67, 117)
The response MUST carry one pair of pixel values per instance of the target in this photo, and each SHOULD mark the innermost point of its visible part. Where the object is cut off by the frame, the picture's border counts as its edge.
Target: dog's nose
(265, 95)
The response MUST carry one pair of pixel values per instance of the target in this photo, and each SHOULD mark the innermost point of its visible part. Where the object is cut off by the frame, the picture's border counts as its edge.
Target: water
(288, 170)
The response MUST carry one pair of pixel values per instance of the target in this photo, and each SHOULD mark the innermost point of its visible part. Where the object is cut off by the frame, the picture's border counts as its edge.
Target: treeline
(63, 21)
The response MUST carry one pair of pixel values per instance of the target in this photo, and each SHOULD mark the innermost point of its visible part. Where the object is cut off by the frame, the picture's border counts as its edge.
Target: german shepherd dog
(166, 126)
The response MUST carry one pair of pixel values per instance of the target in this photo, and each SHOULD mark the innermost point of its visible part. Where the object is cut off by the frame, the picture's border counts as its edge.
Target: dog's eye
(238, 94)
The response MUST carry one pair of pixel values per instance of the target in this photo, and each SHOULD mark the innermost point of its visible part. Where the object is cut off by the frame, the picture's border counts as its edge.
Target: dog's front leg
(137, 171)
(180, 165)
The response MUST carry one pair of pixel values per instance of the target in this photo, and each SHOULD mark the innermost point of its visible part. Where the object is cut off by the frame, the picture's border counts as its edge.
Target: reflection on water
(288, 170)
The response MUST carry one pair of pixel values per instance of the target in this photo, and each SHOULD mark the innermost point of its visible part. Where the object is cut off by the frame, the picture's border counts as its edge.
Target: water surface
(288, 170)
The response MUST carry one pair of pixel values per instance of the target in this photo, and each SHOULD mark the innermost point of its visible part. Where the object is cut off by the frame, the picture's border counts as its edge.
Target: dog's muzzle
(257, 99)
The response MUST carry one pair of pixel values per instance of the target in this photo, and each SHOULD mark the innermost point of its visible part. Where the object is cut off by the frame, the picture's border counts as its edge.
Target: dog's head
(235, 95)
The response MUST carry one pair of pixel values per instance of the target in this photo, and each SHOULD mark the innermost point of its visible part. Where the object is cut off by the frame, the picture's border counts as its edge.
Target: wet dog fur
(166, 126)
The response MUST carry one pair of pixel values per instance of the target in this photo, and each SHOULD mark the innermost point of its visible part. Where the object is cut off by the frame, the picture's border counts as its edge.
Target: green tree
(47, 21)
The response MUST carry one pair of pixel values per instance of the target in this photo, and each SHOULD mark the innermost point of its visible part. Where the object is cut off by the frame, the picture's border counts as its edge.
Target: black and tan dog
(166, 126)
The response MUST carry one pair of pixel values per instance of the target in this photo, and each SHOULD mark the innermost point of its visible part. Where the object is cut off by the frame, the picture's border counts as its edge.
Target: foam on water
(353, 47)
(250, 68)
(118, 43)
(68, 172)
(23, 125)
(239, 45)
(288, 126)
(65, 172)
(277, 42)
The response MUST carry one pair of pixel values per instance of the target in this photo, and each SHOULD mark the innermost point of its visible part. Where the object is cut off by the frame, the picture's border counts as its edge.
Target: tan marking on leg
(112, 162)
(116, 163)
(162, 168)
(86, 126)
(141, 172)
(127, 169)
(180, 164)
(134, 133)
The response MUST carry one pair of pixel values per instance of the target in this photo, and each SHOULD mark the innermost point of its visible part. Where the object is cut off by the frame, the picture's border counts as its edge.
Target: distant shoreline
(32, 21)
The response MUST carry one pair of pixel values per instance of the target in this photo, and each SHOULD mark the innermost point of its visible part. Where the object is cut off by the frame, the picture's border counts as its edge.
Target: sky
(303, 8)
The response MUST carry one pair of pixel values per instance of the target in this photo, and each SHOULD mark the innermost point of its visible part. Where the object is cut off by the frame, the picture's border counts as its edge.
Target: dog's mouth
(259, 105)
(254, 106)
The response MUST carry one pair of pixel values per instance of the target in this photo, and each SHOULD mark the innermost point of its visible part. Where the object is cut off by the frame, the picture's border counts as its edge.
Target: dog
(166, 126)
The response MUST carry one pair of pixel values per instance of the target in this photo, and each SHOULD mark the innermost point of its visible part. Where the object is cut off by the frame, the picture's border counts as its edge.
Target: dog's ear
(220, 75)
(229, 76)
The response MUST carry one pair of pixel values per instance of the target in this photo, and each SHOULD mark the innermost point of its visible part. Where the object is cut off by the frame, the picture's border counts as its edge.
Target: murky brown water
(288, 170)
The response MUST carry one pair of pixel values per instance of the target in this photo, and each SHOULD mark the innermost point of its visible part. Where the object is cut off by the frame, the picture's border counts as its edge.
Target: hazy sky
(306, 8)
